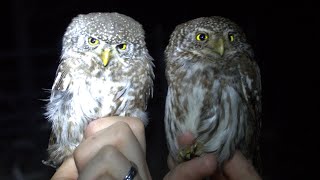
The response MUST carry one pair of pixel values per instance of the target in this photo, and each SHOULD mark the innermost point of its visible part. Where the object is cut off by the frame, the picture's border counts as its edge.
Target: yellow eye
(122, 46)
(231, 37)
(201, 37)
(93, 41)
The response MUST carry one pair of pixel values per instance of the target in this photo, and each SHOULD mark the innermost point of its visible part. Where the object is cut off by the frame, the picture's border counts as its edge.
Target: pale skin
(111, 143)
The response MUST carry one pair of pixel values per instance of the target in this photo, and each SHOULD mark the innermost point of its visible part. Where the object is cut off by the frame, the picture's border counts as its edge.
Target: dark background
(283, 35)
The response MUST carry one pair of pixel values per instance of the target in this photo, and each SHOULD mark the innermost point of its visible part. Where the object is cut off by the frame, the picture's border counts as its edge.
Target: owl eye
(202, 37)
(122, 46)
(231, 37)
(93, 41)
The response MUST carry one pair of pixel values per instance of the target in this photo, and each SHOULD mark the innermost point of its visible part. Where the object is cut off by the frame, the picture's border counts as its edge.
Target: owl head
(103, 37)
(214, 37)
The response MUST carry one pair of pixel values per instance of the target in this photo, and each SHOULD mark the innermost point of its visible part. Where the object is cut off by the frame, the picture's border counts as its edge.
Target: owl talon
(190, 152)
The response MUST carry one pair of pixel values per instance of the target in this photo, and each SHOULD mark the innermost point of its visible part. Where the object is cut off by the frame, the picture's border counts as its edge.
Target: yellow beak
(105, 56)
(218, 46)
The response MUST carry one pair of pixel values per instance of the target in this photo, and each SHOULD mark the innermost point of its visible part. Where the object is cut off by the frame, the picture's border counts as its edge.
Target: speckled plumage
(105, 70)
(214, 90)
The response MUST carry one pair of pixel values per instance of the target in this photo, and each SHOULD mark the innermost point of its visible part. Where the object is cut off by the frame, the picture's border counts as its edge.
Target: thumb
(240, 168)
(195, 169)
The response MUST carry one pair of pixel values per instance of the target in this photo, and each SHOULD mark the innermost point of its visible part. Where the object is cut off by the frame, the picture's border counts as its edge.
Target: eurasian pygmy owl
(214, 90)
(105, 70)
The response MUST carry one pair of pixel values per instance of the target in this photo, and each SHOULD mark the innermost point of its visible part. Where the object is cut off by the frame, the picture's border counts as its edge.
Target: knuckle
(91, 128)
(122, 130)
(210, 164)
(122, 127)
(137, 126)
(107, 152)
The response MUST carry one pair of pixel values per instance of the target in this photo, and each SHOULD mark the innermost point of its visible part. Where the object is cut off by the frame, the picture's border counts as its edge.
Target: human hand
(108, 147)
(237, 168)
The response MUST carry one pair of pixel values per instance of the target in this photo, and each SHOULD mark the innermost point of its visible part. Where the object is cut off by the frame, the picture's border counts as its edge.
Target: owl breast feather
(203, 103)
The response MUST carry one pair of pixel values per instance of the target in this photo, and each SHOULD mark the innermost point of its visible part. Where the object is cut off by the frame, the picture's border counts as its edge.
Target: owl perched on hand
(105, 70)
(214, 91)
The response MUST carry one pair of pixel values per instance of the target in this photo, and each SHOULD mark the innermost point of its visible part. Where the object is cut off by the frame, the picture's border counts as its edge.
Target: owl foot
(189, 152)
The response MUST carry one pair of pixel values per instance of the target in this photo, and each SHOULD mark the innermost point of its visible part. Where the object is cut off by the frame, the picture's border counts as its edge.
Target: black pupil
(120, 46)
(202, 37)
(93, 40)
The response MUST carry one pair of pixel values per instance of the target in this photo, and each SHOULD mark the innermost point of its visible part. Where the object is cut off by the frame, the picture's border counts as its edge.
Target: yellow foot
(189, 152)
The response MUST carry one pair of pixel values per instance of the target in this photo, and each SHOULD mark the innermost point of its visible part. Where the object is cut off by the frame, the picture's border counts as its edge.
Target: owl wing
(59, 90)
(59, 95)
(63, 77)
(251, 89)
(251, 83)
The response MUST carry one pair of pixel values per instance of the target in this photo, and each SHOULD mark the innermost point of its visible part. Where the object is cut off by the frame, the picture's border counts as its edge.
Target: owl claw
(190, 152)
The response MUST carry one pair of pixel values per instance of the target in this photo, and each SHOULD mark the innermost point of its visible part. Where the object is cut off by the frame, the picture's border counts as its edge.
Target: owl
(214, 91)
(105, 70)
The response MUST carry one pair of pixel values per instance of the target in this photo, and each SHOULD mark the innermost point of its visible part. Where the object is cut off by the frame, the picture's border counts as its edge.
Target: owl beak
(218, 46)
(105, 56)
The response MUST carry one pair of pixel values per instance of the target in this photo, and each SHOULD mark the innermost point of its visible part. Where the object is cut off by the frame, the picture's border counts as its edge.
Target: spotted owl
(105, 70)
(214, 90)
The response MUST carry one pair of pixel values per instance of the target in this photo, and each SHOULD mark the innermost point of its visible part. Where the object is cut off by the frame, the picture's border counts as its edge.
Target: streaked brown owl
(214, 90)
(105, 70)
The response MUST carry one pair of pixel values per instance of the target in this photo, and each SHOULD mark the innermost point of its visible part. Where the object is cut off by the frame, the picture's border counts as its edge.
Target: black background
(283, 35)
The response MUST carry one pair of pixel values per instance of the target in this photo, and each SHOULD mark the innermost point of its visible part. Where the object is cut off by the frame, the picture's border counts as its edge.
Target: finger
(186, 139)
(67, 171)
(240, 168)
(108, 162)
(195, 169)
(135, 124)
(121, 137)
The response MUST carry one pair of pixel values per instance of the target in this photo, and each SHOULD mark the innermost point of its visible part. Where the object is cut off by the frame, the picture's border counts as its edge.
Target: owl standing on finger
(214, 91)
(105, 70)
